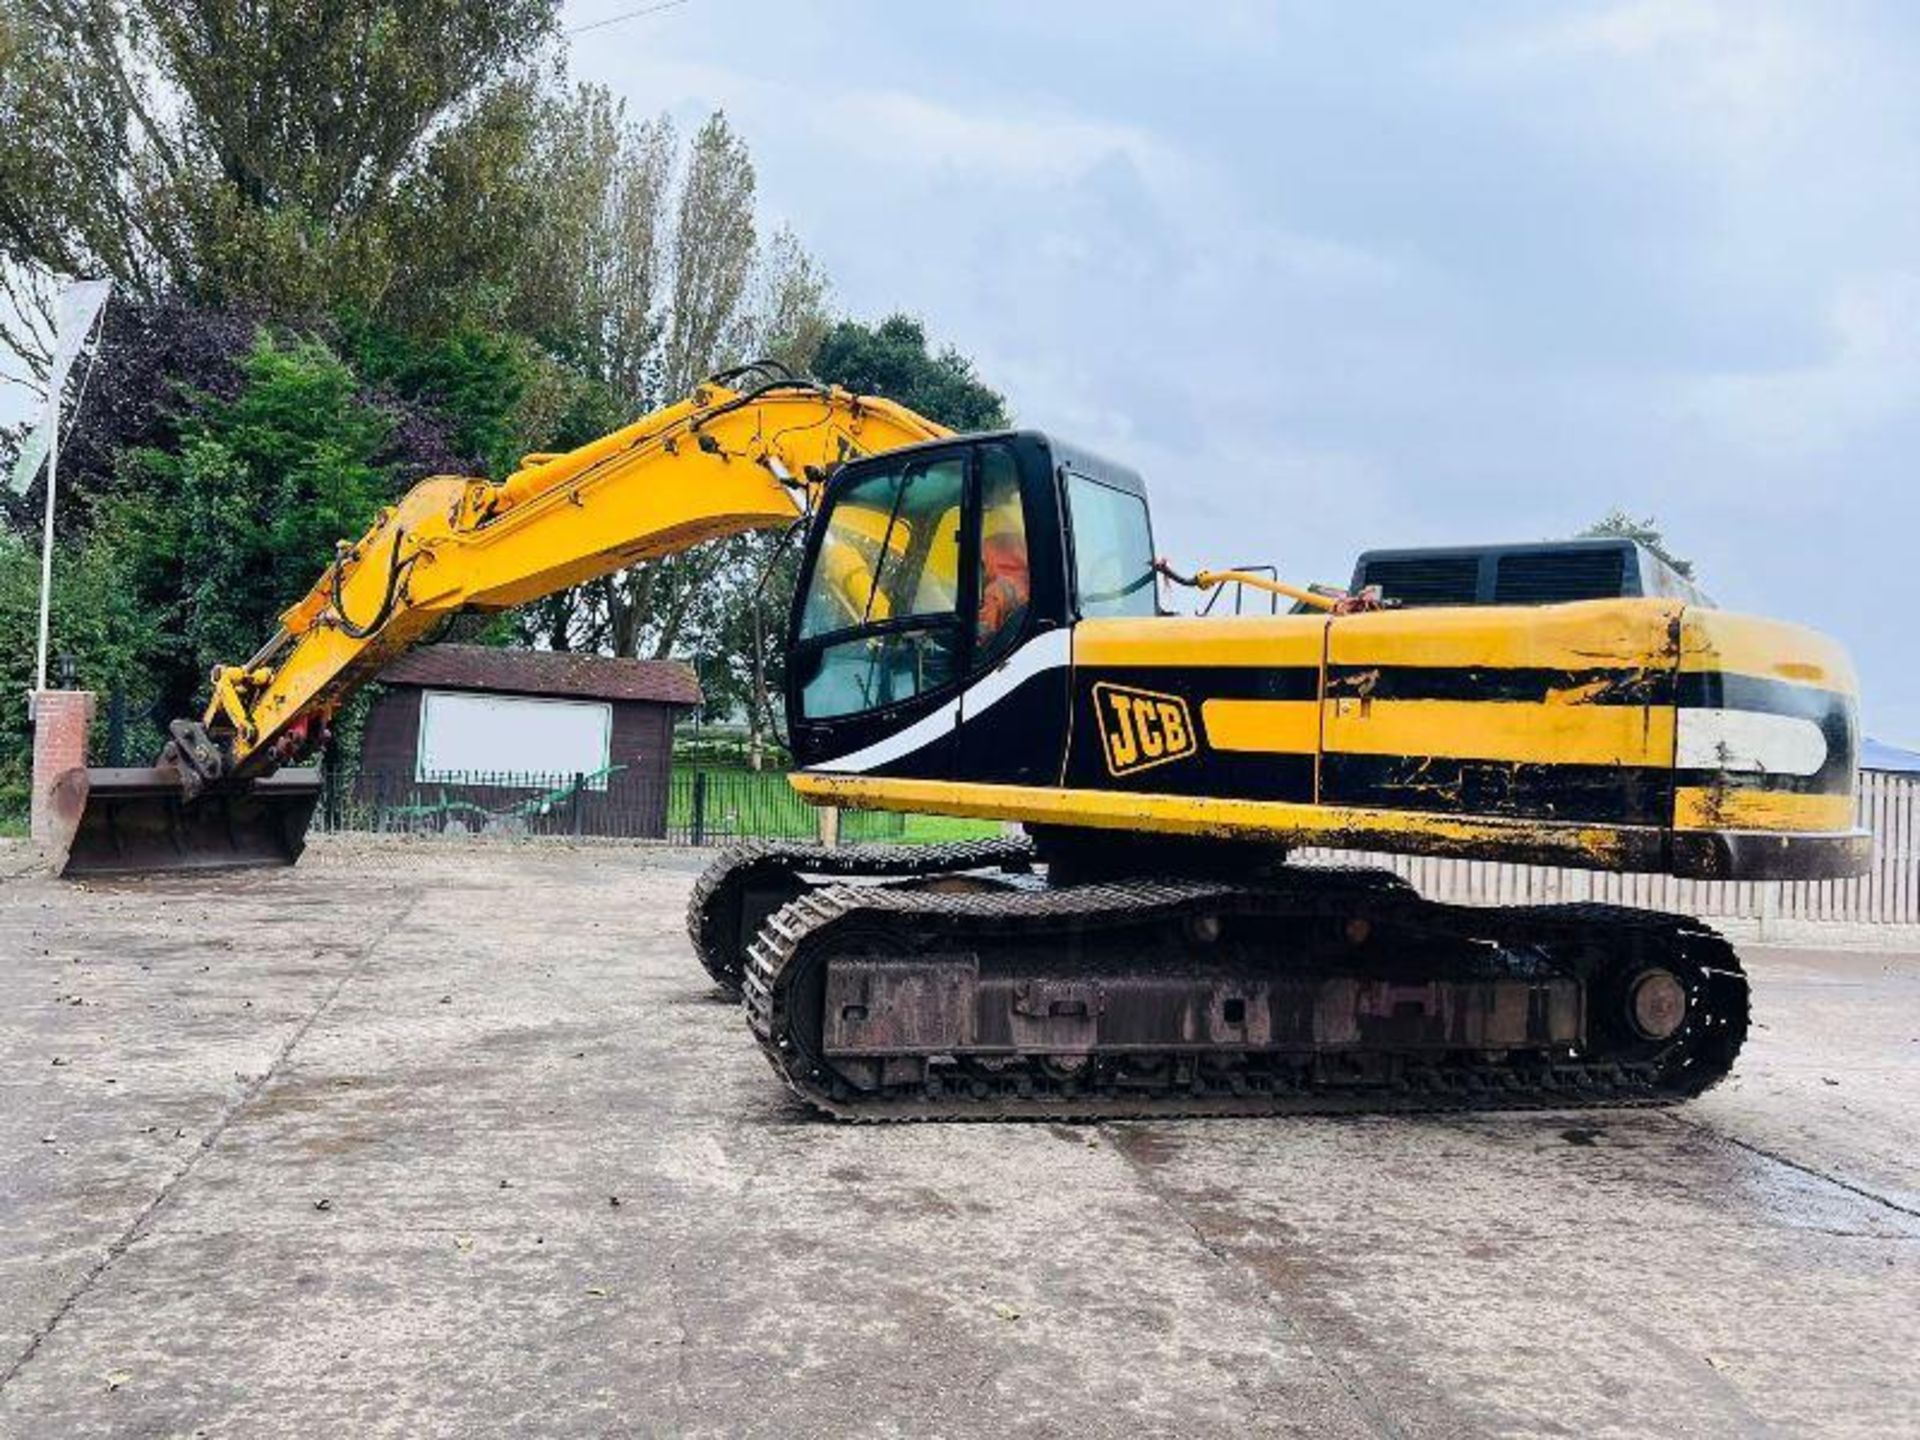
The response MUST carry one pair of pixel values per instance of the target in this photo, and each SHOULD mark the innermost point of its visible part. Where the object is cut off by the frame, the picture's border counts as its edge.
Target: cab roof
(1064, 455)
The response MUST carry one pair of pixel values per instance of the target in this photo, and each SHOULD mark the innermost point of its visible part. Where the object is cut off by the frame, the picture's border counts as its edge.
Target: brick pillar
(60, 721)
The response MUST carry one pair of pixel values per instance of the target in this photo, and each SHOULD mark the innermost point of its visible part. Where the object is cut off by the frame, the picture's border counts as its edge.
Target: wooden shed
(471, 736)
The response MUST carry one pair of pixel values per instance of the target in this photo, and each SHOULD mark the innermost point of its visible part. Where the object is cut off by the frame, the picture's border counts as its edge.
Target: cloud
(1868, 377)
(902, 129)
(1684, 73)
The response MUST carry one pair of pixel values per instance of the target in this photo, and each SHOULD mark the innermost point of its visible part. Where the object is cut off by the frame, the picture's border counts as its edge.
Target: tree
(1646, 530)
(590, 286)
(149, 357)
(714, 246)
(219, 534)
(292, 154)
(891, 359)
(158, 365)
(789, 308)
(356, 242)
(650, 277)
(480, 383)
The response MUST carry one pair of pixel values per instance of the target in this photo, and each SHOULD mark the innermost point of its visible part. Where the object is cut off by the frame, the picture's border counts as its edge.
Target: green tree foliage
(98, 625)
(590, 286)
(19, 622)
(480, 382)
(220, 535)
(1646, 530)
(891, 359)
(294, 154)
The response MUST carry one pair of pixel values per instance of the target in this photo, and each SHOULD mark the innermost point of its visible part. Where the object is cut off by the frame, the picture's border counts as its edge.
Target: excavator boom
(722, 462)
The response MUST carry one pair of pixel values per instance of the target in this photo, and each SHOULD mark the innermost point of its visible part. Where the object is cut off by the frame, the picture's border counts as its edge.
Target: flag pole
(46, 534)
(81, 303)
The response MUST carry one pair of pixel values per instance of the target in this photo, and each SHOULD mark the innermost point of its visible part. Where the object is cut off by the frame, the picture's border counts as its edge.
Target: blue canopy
(1878, 755)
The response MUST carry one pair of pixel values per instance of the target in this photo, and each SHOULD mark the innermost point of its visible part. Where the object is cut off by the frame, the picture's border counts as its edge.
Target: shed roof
(544, 672)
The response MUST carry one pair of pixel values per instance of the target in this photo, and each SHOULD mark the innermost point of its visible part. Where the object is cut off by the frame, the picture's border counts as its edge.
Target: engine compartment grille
(1546, 577)
(1426, 579)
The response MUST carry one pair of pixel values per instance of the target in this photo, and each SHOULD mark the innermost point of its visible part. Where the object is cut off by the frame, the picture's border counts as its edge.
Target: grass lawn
(13, 827)
(761, 804)
(938, 829)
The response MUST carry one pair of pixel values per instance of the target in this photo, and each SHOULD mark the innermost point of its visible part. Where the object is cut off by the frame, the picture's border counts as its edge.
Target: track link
(1600, 945)
(747, 882)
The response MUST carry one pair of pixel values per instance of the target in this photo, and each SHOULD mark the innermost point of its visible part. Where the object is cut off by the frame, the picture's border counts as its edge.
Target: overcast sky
(1341, 275)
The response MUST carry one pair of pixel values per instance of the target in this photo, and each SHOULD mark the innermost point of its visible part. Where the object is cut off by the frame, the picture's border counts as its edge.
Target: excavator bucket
(142, 821)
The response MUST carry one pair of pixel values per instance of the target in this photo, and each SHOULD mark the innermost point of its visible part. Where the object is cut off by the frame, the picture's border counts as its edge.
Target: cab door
(1015, 703)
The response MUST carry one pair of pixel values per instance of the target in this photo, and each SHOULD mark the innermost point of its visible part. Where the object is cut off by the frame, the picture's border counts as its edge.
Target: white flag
(80, 306)
(33, 454)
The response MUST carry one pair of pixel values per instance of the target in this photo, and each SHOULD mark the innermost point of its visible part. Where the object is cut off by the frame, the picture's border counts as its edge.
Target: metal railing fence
(687, 807)
(1888, 805)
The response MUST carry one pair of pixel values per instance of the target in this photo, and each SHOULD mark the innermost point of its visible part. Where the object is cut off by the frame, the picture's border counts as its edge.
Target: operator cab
(936, 570)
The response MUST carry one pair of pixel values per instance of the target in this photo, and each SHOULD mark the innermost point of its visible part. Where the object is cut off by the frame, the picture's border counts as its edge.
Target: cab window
(891, 549)
(1112, 550)
(872, 671)
(888, 572)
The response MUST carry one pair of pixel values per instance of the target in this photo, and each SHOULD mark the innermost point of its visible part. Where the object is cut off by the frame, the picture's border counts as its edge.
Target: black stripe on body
(1199, 683)
(1606, 794)
(1721, 690)
(1833, 778)
(1599, 686)
(1209, 774)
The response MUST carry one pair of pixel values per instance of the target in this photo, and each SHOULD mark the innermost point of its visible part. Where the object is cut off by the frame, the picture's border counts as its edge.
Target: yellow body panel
(1555, 732)
(1280, 822)
(1719, 640)
(1585, 635)
(1270, 727)
(1276, 640)
(1704, 808)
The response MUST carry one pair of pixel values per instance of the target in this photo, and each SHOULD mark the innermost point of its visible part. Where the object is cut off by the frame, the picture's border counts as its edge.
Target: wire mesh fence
(687, 807)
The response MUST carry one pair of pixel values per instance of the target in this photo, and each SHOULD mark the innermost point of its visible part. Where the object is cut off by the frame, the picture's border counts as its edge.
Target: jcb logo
(1139, 728)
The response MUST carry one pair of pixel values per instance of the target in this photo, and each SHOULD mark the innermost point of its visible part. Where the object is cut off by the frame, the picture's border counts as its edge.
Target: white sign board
(497, 736)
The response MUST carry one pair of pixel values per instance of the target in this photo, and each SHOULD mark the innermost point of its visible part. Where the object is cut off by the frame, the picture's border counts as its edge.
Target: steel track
(714, 909)
(1596, 940)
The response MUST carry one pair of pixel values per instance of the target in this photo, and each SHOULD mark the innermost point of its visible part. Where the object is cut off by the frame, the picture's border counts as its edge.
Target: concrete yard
(436, 1139)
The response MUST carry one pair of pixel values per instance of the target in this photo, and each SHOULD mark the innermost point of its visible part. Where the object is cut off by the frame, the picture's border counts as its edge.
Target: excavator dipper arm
(723, 461)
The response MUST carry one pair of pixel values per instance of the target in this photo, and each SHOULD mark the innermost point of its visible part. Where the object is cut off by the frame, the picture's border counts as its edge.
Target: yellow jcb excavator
(978, 632)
